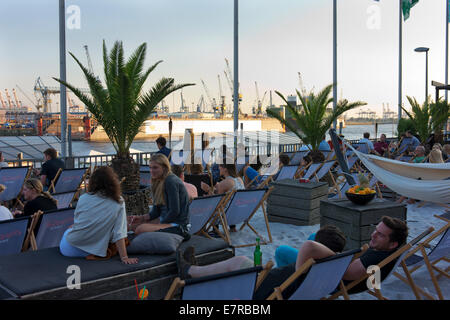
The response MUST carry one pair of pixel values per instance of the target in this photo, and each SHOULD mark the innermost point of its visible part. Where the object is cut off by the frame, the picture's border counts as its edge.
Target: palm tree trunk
(128, 171)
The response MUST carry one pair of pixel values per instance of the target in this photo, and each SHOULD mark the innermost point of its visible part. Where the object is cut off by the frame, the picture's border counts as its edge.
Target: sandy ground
(418, 220)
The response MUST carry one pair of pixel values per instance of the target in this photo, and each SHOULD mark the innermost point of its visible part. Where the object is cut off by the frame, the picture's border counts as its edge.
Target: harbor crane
(37, 105)
(2, 101)
(212, 101)
(10, 103)
(229, 76)
(18, 103)
(201, 104)
(184, 107)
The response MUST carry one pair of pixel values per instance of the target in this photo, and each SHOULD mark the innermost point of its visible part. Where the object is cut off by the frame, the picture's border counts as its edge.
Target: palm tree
(428, 118)
(122, 107)
(313, 120)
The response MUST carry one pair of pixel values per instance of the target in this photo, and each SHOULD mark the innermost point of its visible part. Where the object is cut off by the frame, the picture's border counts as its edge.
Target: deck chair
(287, 172)
(312, 168)
(65, 199)
(351, 164)
(362, 147)
(12, 235)
(69, 180)
(203, 210)
(397, 256)
(241, 208)
(13, 179)
(324, 169)
(331, 155)
(52, 226)
(297, 158)
(235, 285)
(405, 158)
(322, 276)
(441, 252)
(339, 189)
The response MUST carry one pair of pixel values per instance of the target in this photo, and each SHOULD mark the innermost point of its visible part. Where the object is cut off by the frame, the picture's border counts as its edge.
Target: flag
(406, 6)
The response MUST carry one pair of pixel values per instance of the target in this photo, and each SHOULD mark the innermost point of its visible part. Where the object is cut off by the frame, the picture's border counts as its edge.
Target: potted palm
(122, 106)
(313, 119)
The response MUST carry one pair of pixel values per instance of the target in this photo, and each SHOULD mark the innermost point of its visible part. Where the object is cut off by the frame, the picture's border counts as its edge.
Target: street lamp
(424, 49)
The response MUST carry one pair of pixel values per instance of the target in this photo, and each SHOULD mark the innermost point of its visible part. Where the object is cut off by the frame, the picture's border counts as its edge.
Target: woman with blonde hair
(435, 156)
(170, 202)
(36, 199)
(99, 219)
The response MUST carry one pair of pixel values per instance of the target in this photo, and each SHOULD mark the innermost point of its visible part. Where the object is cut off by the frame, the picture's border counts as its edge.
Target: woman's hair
(231, 168)
(105, 182)
(331, 237)
(436, 156)
(36, 185)
(437, 145)
(446, 148)
(2, 188)
(158, 184)
(197, 168)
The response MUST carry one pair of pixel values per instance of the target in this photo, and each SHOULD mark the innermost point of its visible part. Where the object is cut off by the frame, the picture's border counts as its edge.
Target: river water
(353, 132)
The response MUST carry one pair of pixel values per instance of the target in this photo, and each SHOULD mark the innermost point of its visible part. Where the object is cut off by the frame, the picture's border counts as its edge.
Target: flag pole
(62, 76)
(399, 116)
(236, 74)
(334, 59)
(447, 20)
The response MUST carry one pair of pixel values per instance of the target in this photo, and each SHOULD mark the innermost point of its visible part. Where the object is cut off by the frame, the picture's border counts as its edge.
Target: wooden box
(358, 221)
(296, 203)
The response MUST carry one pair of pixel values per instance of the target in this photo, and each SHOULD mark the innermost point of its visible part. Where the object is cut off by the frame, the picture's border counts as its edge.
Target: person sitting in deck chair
(251, 172)
(99, 219)
(190, 188)
(389, 235)
(170, 202)
(36, 199)
(5, 214)
(50, 167)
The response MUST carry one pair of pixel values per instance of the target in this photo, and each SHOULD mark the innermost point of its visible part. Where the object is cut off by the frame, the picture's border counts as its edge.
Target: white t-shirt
(5, 214)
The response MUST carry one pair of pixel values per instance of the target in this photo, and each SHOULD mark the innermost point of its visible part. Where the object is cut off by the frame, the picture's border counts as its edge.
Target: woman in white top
(5, 214)
(100, 219)
(231, 182)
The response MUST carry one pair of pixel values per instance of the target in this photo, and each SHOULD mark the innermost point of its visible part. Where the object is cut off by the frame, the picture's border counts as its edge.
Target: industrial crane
(10, 103)
(2, 101)
(221, 98)
(184, 107)
(212, 101)
(35, 104)
(201, 104)
(229, 76)
(18, 103)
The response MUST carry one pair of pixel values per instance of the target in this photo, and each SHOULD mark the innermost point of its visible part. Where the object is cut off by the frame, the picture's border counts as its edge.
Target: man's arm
(355, 270)
(312, 249)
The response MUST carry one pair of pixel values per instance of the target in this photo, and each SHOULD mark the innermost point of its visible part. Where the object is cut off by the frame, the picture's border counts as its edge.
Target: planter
(137, 202)
(296, 203)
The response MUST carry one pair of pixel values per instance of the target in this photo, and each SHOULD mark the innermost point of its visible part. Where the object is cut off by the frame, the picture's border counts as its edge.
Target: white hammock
(421, 181)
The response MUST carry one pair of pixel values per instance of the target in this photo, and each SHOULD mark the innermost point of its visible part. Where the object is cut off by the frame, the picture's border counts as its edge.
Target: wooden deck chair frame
(430, 265)
(51, 189)
(178, 284)
(30, 239)
(226, 234)
(278, 291)
(306, 168)
(344, 289)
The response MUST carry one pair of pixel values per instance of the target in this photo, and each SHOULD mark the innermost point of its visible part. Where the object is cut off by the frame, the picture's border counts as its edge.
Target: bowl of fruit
(360, 195)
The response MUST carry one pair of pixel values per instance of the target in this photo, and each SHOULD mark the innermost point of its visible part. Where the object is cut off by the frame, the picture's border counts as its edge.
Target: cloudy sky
(277, 39)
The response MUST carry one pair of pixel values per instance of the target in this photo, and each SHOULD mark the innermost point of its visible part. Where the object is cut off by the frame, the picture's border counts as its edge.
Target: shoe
(189, 256)
(183, 266)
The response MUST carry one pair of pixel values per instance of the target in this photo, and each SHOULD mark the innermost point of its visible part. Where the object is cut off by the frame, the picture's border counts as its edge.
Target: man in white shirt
(367, 141)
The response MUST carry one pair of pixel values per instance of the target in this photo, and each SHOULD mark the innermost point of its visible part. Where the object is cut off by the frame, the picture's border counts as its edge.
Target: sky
(277, 39)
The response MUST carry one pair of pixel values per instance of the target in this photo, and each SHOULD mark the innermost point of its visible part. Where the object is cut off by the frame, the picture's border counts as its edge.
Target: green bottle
(257, 254)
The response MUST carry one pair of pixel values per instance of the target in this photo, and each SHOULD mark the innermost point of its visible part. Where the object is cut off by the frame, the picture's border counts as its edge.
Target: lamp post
(424, 49)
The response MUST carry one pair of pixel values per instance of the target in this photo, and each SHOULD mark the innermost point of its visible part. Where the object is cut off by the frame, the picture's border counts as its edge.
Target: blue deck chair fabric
(287, 172)
(236, 285)
(324, 277)
(201, 210)
(323, 170)
(52, 227)
(12, 179)
(145, 178)
(64, 199)
(144, 168)
(350, 162)
(405, 158)
(298, 157)
(69, 180)
(311, 170)
(361, 147)
(405, 144)
(242, 205)
(12, 235)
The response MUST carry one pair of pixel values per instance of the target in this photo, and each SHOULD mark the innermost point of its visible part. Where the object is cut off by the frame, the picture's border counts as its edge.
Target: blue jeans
(68, 250)
(285, 255)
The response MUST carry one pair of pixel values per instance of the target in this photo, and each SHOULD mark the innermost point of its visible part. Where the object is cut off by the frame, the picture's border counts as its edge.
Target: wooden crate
(296, 203)
(358, 222)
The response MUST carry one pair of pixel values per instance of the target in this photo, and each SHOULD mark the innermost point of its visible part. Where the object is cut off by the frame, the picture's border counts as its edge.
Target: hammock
(421, 181)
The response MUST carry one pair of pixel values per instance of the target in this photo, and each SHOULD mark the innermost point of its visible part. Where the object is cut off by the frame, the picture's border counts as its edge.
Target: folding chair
(52, 226)
(235, 285)
(441, 252)
(396, 256)
(287, 172)
(297, 158)
(324, 169)
(69, 180)
(53, 182)
(12, 235)
(65, 199)
(362, 147)
(203, 210)
(322, 276)
(13, 179)
(312, 168)
(241, 208)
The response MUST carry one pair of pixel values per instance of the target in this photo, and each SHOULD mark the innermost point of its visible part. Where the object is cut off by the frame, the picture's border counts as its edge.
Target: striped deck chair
(351, 164)
(323, 277)
(202, 212)
(441, 252)
(13, 179)
(234, 285)
(397, 256)
(12, 235)
(241, 208)
(65, 199)
(69, 180)
(51, 228)
(297, 158)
